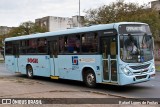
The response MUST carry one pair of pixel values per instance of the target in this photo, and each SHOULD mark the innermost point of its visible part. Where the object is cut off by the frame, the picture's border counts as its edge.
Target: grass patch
(158, 67)
(1, 61)
(20, 80)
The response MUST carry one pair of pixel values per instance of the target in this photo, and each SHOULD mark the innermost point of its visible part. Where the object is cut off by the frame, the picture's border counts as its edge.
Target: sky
(14, 12)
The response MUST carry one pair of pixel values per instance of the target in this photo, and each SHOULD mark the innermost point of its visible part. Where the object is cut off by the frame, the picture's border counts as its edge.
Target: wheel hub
(90, 78)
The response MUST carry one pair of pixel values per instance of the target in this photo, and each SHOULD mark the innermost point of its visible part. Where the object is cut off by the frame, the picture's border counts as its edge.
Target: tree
(26, 28)
(1, 41)
(120, 11)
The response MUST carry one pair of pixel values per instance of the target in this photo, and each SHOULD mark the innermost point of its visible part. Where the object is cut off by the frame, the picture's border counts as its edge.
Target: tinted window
(62, 44)
(90, 42)
(69, 44)
(8, 48)
(23, 47)
(42, 45)
(73, 44)
(32, 46)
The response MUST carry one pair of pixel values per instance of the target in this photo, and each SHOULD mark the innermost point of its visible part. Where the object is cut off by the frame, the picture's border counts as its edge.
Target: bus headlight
(127, 71)
(152, 69)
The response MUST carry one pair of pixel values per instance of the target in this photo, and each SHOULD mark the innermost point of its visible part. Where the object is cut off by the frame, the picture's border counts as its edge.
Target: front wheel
(29, 71)
(90, 79)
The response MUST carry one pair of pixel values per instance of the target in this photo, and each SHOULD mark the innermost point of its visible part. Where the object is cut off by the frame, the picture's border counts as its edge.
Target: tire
(29, 71)
(90, 79)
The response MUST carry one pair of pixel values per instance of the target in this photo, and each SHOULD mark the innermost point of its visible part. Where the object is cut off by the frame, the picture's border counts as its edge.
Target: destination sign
(134, 28)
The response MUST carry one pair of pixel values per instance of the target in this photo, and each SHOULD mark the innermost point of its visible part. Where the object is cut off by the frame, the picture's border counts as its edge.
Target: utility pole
(79, 14)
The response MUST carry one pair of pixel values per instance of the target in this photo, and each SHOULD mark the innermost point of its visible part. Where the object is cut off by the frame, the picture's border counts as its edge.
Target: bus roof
(71, 31)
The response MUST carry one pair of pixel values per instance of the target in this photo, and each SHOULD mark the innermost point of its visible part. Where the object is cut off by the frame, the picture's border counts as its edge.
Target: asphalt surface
(3, 71)
(150, 89)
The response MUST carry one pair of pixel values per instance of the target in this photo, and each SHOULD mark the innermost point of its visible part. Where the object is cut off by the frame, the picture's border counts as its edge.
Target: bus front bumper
(125, 80)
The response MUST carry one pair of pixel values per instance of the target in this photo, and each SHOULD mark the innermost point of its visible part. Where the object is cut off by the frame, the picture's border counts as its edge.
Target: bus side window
(77, 45)
(85, 47)
(61, 45)
(94, 39)
(32, 46)
(70, 44)
(23, 47)
(90, 42)
(74, 44)
(42, 45)
(8, 48)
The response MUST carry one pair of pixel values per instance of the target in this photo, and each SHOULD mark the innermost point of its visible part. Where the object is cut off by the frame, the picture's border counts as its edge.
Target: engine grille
(140, 67)
(140, 72)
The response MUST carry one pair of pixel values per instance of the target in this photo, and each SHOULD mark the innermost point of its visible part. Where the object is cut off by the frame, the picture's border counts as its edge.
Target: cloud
(24, 10)
(14, 12)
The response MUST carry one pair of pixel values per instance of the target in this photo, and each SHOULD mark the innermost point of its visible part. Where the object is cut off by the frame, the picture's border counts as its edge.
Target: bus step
(54, 77)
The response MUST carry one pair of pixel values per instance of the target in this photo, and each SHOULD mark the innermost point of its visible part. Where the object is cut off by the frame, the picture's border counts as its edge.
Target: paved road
(150, 89)
(3, 71)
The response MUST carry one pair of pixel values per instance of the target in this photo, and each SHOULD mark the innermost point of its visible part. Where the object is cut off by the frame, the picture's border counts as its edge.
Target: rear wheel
(90, 79)
(29, 71)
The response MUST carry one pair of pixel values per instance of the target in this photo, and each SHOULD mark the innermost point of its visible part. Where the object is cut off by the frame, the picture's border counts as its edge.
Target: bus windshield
(136, 48)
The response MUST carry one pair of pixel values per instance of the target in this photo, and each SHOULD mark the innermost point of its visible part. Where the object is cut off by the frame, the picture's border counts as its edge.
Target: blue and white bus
(118, 53)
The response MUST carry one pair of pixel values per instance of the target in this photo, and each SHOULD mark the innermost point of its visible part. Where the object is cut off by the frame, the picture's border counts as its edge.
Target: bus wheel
(90, 79)
(29, 71)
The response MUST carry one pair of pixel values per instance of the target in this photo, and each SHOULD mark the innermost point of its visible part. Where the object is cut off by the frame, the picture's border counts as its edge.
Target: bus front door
(53, 47)
(109, 58)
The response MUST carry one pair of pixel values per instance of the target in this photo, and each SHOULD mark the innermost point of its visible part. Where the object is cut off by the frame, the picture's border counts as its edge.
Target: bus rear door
(109, 58)
(16, 56)
(53, 47)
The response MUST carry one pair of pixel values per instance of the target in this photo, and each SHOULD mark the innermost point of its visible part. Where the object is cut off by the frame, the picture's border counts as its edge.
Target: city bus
(117, 53)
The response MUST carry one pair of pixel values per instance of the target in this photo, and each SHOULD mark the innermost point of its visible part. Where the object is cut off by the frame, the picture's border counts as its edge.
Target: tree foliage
(26, 28)
(120, 11)
(1, 41)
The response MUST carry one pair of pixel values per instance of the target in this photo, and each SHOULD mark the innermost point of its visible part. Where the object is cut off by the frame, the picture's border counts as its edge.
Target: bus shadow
(59, 81)
(102, 87)
(122, 89)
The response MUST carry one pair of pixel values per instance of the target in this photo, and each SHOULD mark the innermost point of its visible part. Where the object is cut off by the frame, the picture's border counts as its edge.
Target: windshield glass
(136, 48)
